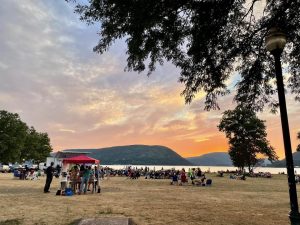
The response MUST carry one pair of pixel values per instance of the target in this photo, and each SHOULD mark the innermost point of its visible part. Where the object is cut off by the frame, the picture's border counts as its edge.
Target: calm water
(205, 168)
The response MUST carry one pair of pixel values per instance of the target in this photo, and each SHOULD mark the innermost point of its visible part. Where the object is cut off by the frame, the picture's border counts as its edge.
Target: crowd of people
(83, 178)
(178, 177)
(261, 174)
(241, 175)
(26, 173)
(79, 179)
(196, 176)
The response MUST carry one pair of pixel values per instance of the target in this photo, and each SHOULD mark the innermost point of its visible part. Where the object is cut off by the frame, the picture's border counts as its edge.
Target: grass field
(226, 202)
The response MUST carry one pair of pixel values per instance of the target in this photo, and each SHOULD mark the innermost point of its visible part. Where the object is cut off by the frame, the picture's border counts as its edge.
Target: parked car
(42, 166)
(34, 166)
(16, 166)
(4, 168)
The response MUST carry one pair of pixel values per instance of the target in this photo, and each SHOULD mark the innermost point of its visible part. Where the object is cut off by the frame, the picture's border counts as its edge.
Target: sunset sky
(51, 77)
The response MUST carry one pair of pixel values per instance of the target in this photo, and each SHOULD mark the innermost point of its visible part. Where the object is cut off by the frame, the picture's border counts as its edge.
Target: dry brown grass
(227, 202)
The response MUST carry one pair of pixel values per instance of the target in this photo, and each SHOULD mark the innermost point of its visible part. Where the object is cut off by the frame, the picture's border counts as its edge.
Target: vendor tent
(81, 159)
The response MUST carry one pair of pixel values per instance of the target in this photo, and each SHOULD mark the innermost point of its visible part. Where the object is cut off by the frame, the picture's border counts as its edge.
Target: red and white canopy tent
(83, 159)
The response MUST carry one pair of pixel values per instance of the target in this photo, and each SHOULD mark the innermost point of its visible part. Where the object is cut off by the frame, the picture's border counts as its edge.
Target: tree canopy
(12, 136)
(247, 137)
(36, 146)
(207, 40)
(18, 142)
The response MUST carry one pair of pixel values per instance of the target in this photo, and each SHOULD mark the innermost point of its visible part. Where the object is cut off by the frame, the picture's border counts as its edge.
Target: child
(63, 182)
(174, 179)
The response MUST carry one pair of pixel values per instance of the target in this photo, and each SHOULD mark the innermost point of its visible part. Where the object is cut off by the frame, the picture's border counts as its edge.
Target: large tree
(247, 137)
(207, 40)
(19, 142)
(13, 133)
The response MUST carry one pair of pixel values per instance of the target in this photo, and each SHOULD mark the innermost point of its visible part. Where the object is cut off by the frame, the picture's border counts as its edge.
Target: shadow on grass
(105, 211)
(76, 222)
(25, 190)
(11, 222)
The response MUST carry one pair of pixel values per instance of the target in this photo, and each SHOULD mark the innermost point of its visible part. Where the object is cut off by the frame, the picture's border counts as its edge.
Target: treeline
(19, 142)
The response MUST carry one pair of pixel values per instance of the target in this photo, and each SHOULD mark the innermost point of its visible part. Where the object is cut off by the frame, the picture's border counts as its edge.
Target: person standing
(49, 173)
(58, 169)
(85, 179)
(193, 175)
(183, 177)
(74, 176)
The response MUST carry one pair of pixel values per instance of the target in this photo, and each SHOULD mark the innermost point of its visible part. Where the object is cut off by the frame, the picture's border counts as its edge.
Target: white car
(4, 168)
(42, 166)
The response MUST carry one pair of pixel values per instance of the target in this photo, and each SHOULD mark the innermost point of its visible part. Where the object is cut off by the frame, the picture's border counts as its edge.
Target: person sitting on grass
(241, 177)
(199, 173)
(231, 176)
(200, 181)
(220, 173)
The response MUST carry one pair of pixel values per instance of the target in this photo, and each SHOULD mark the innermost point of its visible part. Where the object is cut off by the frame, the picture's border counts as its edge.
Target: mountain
(211, 159)
(135, 155)
(282, 163)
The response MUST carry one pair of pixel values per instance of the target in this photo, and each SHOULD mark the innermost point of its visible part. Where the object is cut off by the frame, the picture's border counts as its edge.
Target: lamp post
(275, 42)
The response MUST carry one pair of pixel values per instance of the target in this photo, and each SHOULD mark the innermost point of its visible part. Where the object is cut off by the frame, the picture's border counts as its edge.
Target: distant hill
(211, 159)
(136, 155)
(282, 163)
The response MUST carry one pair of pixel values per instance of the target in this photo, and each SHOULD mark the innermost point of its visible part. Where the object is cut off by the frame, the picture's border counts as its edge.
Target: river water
(212, 169)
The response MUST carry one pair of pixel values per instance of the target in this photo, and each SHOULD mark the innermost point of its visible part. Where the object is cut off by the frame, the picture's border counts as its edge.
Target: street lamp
(275, 42)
